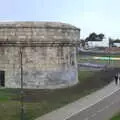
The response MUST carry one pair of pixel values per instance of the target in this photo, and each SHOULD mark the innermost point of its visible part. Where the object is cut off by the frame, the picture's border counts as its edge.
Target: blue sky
(100, 16)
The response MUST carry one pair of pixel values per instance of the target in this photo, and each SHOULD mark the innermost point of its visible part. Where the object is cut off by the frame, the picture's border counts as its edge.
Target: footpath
(83, 103)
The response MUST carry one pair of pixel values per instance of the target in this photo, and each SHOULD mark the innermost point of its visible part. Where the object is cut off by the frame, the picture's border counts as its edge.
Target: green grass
(39, 102)
(8, 94)
(9, 110)
(84, 75)
(116, 117)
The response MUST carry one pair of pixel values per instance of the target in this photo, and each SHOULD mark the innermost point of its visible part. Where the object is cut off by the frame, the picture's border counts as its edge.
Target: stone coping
(30, 24)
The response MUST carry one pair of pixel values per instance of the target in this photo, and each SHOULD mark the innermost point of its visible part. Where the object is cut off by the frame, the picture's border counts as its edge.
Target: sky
(100, 16)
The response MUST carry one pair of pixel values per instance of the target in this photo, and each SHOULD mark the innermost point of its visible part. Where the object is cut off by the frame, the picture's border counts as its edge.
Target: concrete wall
(44, 67)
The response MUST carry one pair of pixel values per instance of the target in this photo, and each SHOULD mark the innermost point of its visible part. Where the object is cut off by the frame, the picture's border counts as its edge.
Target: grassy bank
(116, 117)
(39, 102)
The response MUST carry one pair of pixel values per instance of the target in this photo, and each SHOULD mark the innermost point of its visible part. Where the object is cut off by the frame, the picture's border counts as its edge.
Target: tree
(83, 43)
(116, 41)
(112, 41)
(101, 36)
(111, 44)
(95, 37)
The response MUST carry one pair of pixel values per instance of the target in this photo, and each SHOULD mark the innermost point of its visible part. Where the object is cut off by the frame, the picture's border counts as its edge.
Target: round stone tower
(49, 56)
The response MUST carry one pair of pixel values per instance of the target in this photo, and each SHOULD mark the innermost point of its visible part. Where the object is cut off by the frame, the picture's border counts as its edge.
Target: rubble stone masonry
(43, 67)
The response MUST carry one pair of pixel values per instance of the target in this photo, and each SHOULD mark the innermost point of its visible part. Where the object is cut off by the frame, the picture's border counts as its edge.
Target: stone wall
(44, 67)
(38, 30)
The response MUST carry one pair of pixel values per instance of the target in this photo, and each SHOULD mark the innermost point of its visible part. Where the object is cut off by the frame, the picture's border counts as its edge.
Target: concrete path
(72, 111)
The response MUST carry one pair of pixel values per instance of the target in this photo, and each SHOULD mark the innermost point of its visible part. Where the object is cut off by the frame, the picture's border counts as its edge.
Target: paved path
(100, 105)
(103, 110)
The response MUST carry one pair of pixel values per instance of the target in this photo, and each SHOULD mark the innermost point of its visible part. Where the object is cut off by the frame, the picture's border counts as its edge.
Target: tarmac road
(103, 110)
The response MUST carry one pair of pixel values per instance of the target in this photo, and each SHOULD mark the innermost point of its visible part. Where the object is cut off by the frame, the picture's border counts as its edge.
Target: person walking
(116, 79)
(119, 78)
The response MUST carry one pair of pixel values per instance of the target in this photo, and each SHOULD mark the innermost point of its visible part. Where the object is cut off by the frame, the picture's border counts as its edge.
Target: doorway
(2, 78)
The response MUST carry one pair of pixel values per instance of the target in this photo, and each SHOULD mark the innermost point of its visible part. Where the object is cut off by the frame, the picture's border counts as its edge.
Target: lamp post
(109, 52)
(21, 76)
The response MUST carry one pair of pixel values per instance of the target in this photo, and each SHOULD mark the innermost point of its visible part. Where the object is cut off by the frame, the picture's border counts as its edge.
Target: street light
(109, 51)
(21, 76)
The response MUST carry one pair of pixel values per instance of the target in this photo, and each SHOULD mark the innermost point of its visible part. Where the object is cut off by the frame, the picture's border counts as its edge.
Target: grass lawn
(117, 117)
(39, 102)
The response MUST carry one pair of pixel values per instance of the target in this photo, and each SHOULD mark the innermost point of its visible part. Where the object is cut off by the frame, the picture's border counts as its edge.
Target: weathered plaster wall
(45, 67)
